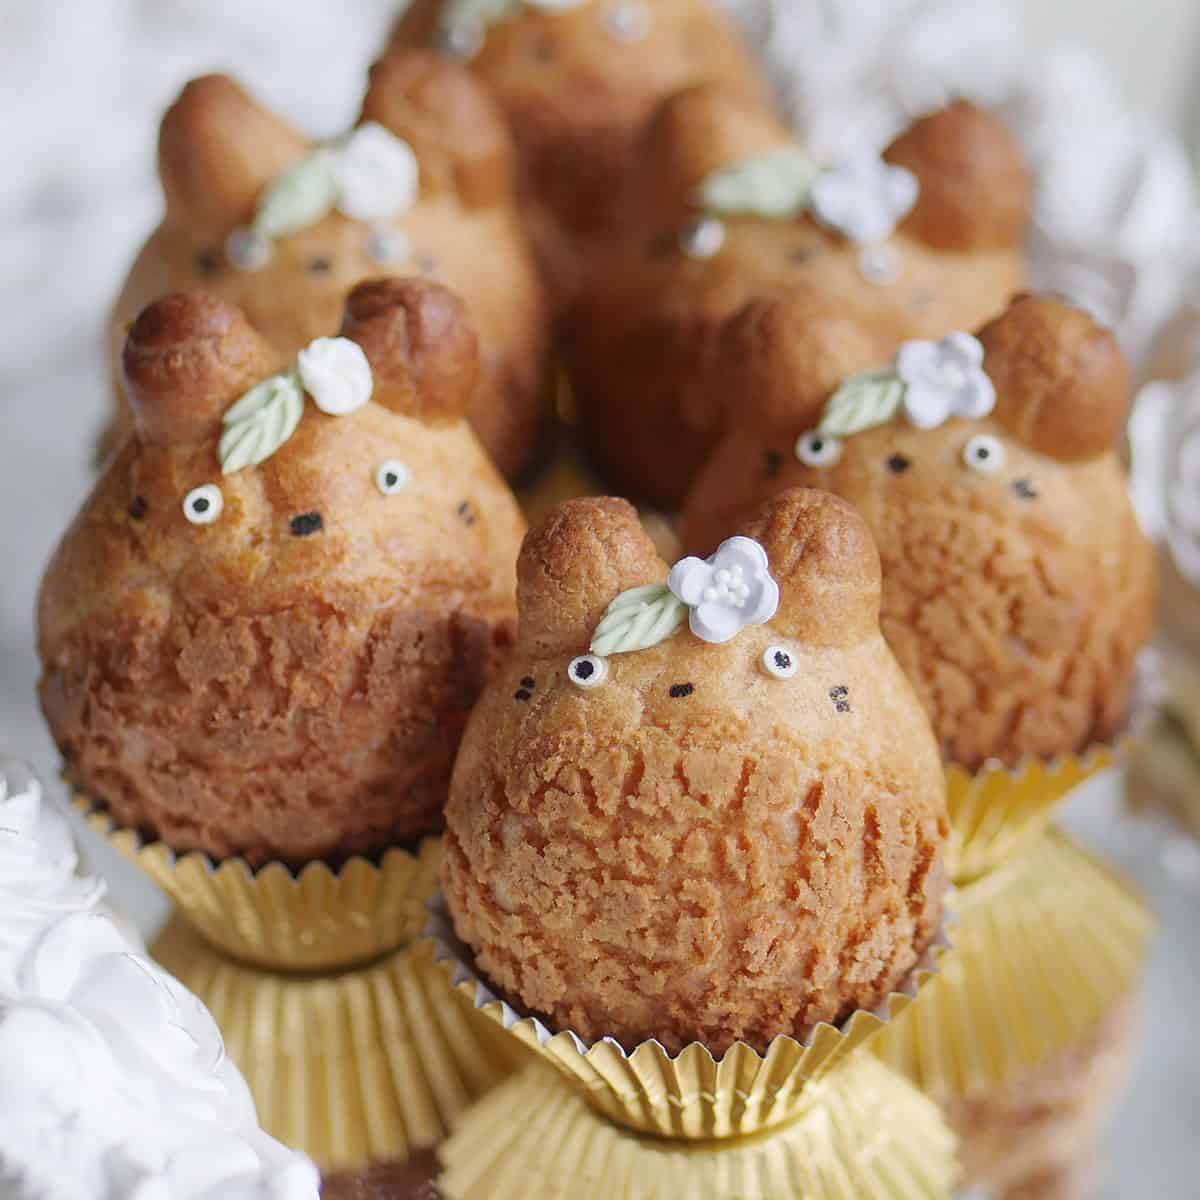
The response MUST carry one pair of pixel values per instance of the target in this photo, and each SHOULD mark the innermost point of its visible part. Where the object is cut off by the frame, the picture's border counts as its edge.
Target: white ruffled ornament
(944, 379)
(726, 592)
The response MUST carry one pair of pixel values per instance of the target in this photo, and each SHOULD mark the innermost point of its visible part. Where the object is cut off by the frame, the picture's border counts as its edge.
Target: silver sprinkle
(386, 245)
(247, 249)
(879, 265)
(628, 21)
(462, 41)
(703, 238)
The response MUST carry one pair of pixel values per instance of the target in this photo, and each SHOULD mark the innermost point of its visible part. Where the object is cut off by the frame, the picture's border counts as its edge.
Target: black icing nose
(307, 524)
(679, 690)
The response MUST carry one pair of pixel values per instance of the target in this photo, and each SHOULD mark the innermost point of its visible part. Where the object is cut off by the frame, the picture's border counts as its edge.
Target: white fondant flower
(944, 379)
(336, 374)
(377, 174)
(729, 591)
(864, 199)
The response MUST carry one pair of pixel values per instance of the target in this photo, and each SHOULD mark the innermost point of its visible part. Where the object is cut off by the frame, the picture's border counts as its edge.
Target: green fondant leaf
(775, 185)
(478, 14)
(260, 422)
(299, 197)
(862, 402)
(638, 619)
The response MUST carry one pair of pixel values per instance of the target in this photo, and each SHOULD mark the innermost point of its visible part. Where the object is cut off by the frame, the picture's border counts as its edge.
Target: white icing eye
(879, 265)
(587, 671)
(247, 250)
(984, 453)
(392, 477)
(778, 662)
(815, 449)
(386, 245)
(703, 238)
(463, 40)
(627, 21)
(202, 505)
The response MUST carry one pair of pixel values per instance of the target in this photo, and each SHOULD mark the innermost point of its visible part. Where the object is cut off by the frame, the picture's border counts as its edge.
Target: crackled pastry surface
(290, 679)
(1016, 598)
(696, 849)
(220, 152)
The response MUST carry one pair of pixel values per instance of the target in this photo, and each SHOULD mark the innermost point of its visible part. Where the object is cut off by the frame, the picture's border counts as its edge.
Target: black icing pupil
(816, 445)
(200, 504)
(391, 479)
(305, 524)
(782, 661)
(982, 452)
(585, 669)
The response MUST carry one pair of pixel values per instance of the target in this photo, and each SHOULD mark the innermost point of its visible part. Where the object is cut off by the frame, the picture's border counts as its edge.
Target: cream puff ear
(454, 127)
(692, 134)
(824, 559)
(974, 183)
(421, 346)
(780, 358)
(218, 148)
(1062, 383)
(573, 565)
(187, 358)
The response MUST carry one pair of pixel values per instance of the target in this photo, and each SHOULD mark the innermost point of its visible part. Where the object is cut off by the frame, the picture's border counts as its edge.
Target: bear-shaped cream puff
(703, 805)
(1017, 585)
(261, 216)
(723, 207)
(578, 79)
(264, 631)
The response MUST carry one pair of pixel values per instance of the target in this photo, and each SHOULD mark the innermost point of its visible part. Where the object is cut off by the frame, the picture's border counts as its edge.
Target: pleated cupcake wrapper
(317, 919)
(362, 1066)
(862, 1134)
(998, 811)
(1043, 949)
(690, 1094)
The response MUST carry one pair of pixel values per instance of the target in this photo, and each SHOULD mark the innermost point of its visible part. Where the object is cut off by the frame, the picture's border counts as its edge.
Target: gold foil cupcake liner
(862, 1134)
(317, 919)
(1043, 949)
(997, 811)
(363, 1066)
(690, 1094)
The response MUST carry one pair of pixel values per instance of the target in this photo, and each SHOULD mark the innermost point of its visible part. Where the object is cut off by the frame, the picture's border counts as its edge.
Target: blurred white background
(82, 84)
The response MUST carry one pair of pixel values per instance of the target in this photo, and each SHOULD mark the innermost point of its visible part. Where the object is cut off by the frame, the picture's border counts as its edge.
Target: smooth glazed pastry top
(1017, 585)
(577, 82)
(264, 218)
(723, 207)
(277, 660)
(656, 834)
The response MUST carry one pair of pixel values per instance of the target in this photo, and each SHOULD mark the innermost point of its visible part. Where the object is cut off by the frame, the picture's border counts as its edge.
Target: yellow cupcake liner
(317, 919)
(862, 1134)
(363, 1066)
(1043, 948)
(690, 1094)
(997, 811)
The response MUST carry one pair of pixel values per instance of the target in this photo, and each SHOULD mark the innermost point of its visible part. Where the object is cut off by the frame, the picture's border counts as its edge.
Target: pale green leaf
(776, 185)
(260, 422)
(477, 14)
(862, 402)
(638, 619)
(299, 197)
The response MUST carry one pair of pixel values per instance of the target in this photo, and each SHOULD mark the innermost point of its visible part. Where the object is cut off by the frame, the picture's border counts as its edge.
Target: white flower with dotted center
(336, 374)
(726, 592)
(944, 379)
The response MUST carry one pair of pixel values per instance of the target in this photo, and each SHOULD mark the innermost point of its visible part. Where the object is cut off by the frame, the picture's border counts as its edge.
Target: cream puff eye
(984, 454)
(587, 671)
(778, 662)
(392, 477)
(815, 449)
(202, 505)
